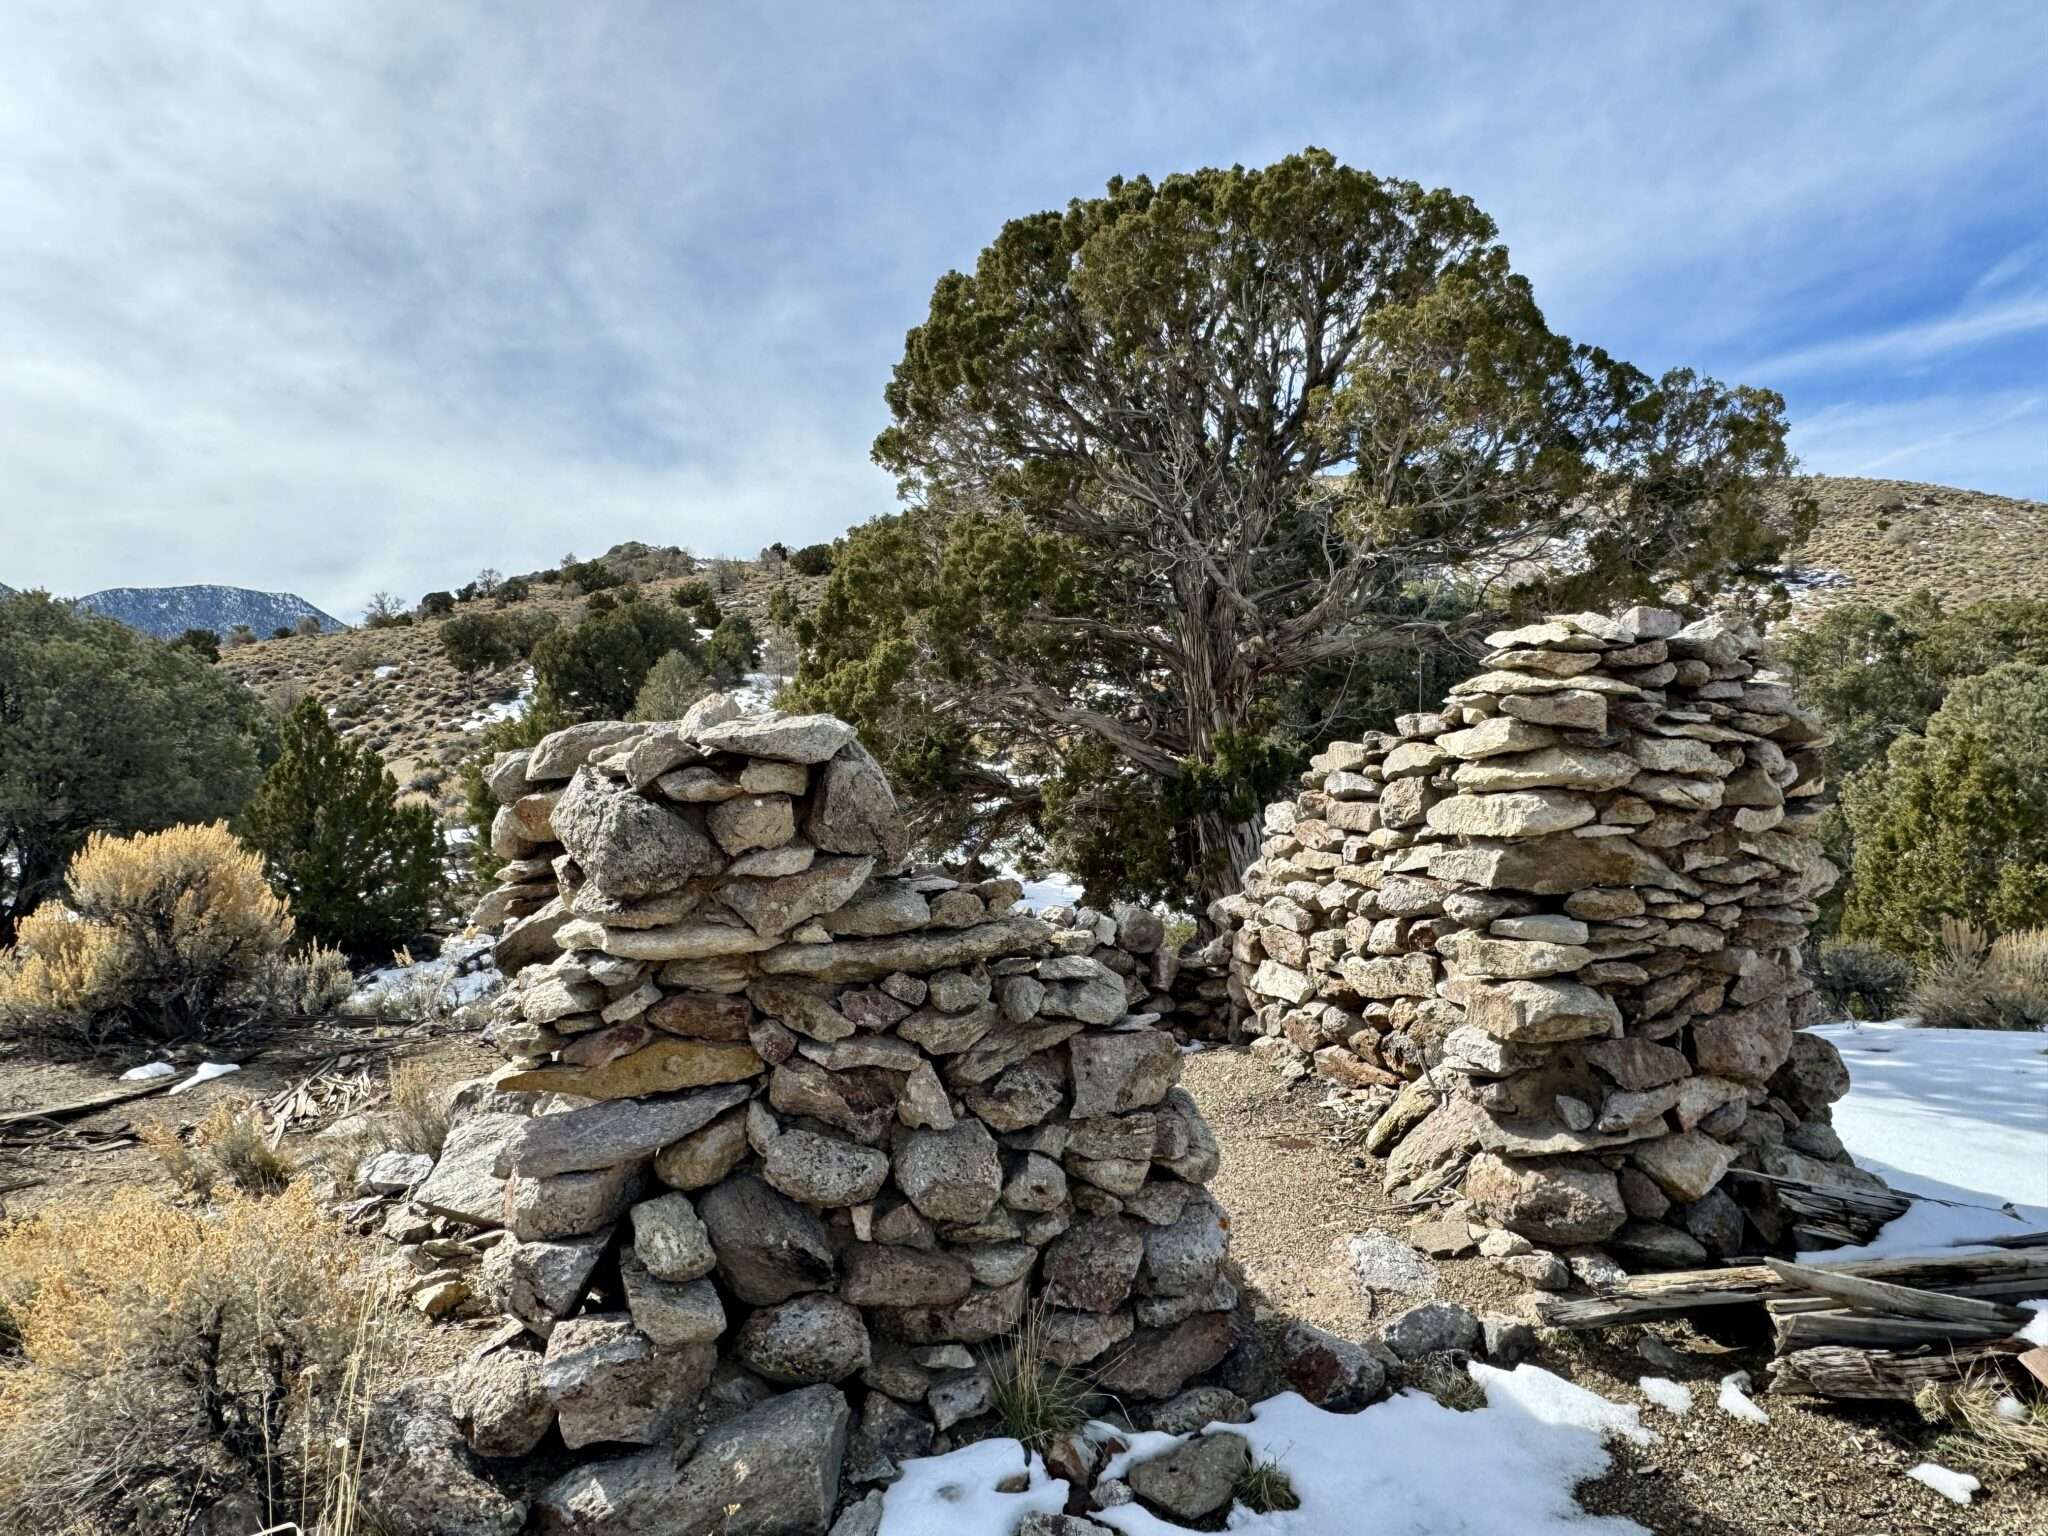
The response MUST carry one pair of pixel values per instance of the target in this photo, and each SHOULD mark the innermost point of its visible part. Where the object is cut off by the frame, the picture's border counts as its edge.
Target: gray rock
(753, 821)
(807, 1339)
(1380, 1261)
(823, 1170)
(1194, 1479)
(418, 1473)
(769, 1247)
(873, 959)
(960, 1395)
(889, 1275)
(1507, 1340)
(465, 1185)
(1431, 1328)
(783, 738)
(669, 1312)
(604, 1135)
(777, 905)
(570, 1204)
(1195, 1409)
(670, 1240)
(704, 1156)
(1550, 1201)
(500, 1402)
(1187, 1255)
(539, 1283)
(889, 1435)
(393, 1172)
(561, 754)
(853, 809)
(772, 1471)
(885, 907)
(1075, 1338)
(1158, 1362)
(608, 1381)
(626, 844)
(1038, 1184)
(863, 1517)
(1123, 1069)
(951, 1175)
(1093, 1267)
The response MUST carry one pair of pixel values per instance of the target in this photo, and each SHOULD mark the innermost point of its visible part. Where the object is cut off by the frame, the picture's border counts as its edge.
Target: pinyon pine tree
(362, 871)
(1183, 461)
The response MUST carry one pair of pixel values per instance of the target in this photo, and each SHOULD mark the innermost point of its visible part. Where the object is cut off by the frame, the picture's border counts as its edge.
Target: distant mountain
(167, 612)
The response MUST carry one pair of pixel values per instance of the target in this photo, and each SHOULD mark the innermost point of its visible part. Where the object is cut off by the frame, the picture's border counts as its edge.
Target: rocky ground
(1297, 1192)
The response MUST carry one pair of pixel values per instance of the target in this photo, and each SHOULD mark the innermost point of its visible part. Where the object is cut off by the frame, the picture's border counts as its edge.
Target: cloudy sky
(333, 296)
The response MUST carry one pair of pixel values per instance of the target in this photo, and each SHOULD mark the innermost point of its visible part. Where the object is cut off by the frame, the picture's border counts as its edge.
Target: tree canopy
(1954, 822)
(103, 729)
(1184, 464)
(361, 870)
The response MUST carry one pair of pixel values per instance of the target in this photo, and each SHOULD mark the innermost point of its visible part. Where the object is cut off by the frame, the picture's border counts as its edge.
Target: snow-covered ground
(1405, 1467)
(428, 985)
(1957, 1115)
(505, 709)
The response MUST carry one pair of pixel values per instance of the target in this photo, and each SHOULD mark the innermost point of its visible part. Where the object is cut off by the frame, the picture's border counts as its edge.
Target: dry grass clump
(1977, 982)
(1444, 1377)
(312, 981)
(1038, 1401)
(229, 1150)
(169, 1359)
(1989, 1430)
(1264, 1487)
(1863, 981)
(161, 934)
(419, 1113)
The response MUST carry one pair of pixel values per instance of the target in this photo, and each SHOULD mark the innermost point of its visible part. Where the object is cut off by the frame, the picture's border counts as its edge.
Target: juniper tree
(103, 729)
(362, 871)
(1171, 453)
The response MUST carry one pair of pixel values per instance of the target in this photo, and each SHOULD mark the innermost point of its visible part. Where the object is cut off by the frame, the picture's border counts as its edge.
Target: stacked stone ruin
(782, 1115)
(1185, 987)
(1547, 940)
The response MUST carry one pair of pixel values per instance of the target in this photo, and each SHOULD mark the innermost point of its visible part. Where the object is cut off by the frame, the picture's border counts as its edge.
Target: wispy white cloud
(1980, 441)
(1970, 326)
(344, 296)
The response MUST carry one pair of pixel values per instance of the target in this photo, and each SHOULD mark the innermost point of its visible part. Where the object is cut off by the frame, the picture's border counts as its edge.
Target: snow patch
(955, 1494)
(1674, 1397)
(1403, 1467)
(514, 708)
(206, 1072)
(149, 1072)
(383, 672)
(1956, 1116)
(2036, 1332)
(438, 985)
(1734, 1399)
(1956, 1487)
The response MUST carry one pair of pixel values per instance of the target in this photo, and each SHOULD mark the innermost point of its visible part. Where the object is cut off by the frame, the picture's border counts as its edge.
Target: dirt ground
(1295, 1192)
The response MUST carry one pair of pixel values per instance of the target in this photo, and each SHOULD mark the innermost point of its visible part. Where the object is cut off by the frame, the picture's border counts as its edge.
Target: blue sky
(340, 297)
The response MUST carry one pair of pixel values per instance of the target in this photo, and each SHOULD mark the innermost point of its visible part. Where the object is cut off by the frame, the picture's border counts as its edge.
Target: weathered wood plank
(1805, 1330)
(1895, 1300)
(1834, 1370)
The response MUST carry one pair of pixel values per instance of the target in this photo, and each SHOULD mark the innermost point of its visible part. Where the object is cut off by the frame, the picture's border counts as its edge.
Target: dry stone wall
(783, 1116)
(1184, 987)
(1546, 943)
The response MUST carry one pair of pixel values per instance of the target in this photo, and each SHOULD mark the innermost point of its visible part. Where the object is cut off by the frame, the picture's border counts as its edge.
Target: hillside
(1880, 541)
(395, 688)
(168, 612)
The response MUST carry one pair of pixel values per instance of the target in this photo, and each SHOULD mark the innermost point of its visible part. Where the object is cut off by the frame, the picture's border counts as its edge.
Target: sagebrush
(160, 936)
(1977, 982)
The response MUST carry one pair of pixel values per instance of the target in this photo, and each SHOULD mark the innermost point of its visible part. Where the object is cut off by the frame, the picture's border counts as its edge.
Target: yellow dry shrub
(160, 932)
(229, 1147)
(167, 1357)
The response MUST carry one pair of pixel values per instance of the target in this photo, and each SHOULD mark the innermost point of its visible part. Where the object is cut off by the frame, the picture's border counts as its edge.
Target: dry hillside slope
(1880, 541)
(396, 689)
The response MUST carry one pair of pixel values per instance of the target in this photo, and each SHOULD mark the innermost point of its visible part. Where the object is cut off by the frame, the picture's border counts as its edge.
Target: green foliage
(600, 602)
(437, 605)
(362, 871)
(513, 589)
(1954, 823)
(588, 576)
(594, 670)
(733, 650)
(479, 642)
(203, 643)
(812, 560)
(282, 632)
(673, 684)
(105, 729)
(692, 594)
(1188, 467)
